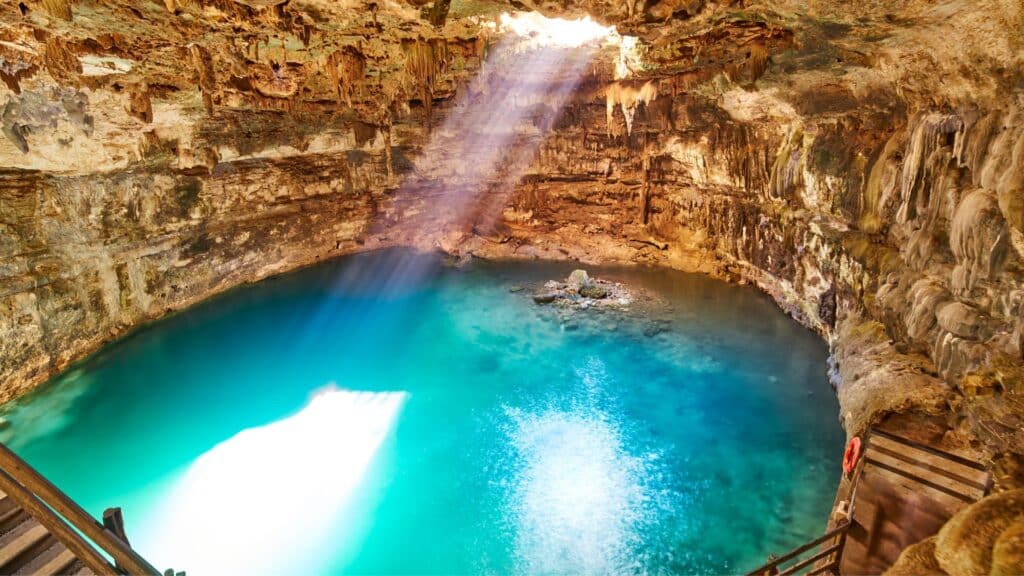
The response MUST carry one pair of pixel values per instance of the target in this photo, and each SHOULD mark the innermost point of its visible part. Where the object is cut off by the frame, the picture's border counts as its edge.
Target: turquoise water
(383, 414)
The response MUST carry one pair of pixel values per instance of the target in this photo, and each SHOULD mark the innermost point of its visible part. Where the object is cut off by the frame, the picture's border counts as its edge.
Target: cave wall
(85, 258)
(863, 164)
(892, 234)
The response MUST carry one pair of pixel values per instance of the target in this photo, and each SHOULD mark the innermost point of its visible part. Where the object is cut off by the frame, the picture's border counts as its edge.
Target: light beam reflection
(264, 501)
(579, 502)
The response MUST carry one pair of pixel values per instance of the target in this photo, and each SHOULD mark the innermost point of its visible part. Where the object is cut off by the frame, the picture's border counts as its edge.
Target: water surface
(382, 414)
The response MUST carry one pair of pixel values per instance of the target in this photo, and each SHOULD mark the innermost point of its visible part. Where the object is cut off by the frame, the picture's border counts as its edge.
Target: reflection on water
(579, 501)
(263, 501)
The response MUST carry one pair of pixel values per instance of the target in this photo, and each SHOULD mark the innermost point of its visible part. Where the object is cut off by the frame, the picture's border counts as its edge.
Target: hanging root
(758, 62)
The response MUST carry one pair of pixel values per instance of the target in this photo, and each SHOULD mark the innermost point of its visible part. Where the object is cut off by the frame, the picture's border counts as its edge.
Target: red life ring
(851, 455)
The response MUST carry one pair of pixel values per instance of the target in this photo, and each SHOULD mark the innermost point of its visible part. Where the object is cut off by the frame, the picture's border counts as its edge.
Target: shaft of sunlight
(492, 133)
(262, 501)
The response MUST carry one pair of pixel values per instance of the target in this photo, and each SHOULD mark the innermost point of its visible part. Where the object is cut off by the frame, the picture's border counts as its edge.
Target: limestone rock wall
(892, 237)
(863, 163)
(85, 258)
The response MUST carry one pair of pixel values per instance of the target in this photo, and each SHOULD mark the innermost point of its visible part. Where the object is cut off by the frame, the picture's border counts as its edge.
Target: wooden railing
(67, 521)
(829, 555)
(913, 464)
(824, 561)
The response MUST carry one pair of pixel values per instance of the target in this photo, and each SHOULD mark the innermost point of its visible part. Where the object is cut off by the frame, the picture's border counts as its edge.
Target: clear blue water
(382, 414)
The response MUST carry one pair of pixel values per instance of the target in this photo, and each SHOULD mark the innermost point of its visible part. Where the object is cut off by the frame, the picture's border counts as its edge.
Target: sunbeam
(263, 501)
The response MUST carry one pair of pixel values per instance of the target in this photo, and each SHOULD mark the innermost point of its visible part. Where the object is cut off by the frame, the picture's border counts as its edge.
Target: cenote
(386, 414)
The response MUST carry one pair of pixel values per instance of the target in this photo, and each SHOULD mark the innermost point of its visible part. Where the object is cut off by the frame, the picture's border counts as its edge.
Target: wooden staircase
(901, 492)
(27, 547)
(43, 532)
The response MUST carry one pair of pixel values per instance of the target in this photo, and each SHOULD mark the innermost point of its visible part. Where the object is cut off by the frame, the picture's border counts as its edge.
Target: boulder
(1008, 552)
(964, 546)
(917, 560)
(578, 279)
(595, 291)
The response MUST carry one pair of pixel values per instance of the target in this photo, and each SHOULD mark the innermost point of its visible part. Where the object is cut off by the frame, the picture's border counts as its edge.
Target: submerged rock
(657, 327)
(545, 298)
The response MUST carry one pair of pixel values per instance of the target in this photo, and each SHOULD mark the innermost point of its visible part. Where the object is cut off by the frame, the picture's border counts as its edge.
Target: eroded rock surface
(986, 537)
(862, 162)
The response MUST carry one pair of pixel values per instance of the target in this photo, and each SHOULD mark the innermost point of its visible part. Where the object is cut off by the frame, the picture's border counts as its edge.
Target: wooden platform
(42, 531)
(904, 492)
(901, 493)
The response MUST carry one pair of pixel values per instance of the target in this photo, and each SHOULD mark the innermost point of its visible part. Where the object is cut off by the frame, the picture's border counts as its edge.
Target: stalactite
(787, 170)
(139, 104)
(388, 159)
(645, 187)
(58, 8)
(882, 182)
(60, 61)
(424, 61)
(979, 239)
(628, 98)
(205, 75)
(15, 66)
(929, 134)
(346, 67)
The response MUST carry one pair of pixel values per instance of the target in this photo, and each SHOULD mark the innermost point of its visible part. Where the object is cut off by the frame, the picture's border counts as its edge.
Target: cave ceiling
(177, 62)
(863, 162)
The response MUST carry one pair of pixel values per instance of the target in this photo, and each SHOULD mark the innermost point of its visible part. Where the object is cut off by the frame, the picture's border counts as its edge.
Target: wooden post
(113, 520)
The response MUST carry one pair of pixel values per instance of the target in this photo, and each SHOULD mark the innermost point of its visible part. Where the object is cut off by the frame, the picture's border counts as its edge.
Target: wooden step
(56, 559)
(18, 542)
(28, 547)
(11, 515)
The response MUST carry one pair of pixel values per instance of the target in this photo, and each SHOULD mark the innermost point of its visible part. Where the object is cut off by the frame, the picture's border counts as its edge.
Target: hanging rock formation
(863, 163)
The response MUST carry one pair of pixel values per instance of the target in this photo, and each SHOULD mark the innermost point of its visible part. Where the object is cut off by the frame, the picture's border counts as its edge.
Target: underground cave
(512, 287)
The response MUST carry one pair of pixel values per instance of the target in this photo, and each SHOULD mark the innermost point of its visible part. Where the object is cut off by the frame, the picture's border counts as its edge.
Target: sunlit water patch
(382, 414)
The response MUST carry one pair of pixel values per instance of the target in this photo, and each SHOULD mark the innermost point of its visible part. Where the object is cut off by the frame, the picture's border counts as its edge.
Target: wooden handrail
(808, 561)
(842, 526)
(923, 481)
(934, 469)
(931, 450)
(56, 526)
(39, 488)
